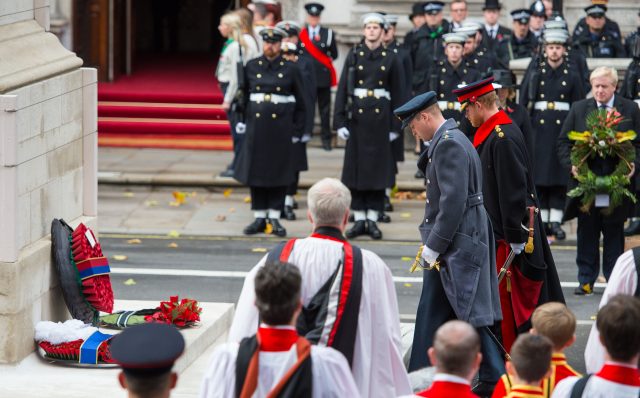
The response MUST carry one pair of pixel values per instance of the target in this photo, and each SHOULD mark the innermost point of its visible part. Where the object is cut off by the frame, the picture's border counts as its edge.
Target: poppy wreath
(180, 313)
(65, 341)
(604, 141)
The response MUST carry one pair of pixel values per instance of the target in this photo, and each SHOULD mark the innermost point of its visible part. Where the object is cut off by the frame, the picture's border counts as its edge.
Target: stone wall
(48, 166)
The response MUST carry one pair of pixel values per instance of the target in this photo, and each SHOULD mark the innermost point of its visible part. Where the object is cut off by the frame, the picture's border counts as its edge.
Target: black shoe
(257, 226)
(483, 389)
(326, 144)
(419, 174)
(372, 229)
(388, 207)
(557, 231)
(289, 214)
(277, 229)
(384, 218)
(584, 290)
(351, 218)
(359, 228)
(633, 228)
(228, 173)
(295, 205)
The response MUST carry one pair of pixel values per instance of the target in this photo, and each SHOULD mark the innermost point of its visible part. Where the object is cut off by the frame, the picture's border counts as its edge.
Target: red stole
(442, 389)
(272, 339)
(487, 127)
(620, 374)
(318, 55)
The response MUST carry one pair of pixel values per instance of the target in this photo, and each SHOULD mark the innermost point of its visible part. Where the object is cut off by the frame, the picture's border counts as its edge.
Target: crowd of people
(318, 316)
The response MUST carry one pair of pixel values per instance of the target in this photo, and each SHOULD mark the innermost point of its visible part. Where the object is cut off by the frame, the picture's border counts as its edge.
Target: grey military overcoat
(456, 225)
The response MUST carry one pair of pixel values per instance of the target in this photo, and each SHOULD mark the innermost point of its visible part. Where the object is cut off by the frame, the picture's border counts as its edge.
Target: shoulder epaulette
(499, 131)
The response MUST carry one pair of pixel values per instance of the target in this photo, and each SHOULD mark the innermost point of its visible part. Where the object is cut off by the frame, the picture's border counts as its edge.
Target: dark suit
(591, 224)
(326, 43)
(491, 42)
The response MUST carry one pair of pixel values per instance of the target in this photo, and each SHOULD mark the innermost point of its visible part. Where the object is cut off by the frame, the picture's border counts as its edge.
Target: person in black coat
(475, 54)
(598, 41)
(363, 118)
(522, 43)
(548, 92)
(511, 201)
(593, 223)
(493, 33)
(274, 118)
(320, 43)
(293, 53)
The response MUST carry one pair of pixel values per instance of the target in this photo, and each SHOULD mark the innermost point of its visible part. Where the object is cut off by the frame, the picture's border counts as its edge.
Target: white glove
(305, 138)
(429, 256)
(393, 136)
(517, 247)
(343, 133)
(241, 128)
(295, 140)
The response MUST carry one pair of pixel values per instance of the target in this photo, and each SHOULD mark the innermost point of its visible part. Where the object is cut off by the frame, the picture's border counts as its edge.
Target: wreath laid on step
(605, 142)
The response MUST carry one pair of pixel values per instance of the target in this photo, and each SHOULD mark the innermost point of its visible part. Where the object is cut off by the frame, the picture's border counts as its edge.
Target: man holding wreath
(602, 216)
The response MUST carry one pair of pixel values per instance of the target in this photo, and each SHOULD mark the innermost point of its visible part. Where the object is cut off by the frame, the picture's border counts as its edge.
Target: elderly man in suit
(603, 82)
(459, 280)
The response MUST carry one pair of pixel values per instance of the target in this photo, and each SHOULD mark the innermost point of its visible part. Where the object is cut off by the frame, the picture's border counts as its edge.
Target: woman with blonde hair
(239, 47)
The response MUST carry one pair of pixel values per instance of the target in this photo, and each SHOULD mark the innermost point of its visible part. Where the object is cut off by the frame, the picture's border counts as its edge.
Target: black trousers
(238, 139)
(264, 198)
(552, 197)
(324, 109)
(292, 189)
(367, 200)
(588, 258)
(434, 310)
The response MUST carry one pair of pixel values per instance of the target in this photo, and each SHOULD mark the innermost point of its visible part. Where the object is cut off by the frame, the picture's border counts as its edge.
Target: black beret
(407, 111)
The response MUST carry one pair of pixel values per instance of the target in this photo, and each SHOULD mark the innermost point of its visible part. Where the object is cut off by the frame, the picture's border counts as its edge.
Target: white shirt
(623, 280)
(596, 387)
(608, 104)
(313, 31)
(330, 372)
(377, 368)
(492, 30)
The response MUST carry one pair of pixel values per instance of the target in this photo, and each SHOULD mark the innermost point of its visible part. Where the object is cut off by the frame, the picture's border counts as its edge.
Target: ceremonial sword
(506, 265)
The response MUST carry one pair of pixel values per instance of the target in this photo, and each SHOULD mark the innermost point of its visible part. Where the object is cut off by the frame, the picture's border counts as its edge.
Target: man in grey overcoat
(455, 231)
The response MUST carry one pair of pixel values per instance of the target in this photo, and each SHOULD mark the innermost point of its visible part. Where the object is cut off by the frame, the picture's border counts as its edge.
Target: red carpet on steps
(170, 101)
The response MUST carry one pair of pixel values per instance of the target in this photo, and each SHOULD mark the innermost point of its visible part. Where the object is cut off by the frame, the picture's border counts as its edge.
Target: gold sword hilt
(418, 262)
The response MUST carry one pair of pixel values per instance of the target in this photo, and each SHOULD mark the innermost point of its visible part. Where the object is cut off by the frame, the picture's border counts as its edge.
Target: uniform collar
(448, 124)
(330, 232)
(450, 378)
(620, 373)
(276, 338)
(487, 127)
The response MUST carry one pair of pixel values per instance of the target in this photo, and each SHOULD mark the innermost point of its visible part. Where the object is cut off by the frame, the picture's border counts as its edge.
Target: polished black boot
(359, 228)
(257, 226)
(295, 205)
(289, 214)
(382, 217)
(326, 144)
(633, 228)
(557, 231)
(277, 229)
(372, 229)
(547, 229)
(388, 207)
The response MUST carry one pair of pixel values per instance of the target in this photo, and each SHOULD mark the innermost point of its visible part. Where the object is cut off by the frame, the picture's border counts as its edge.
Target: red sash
(318, 55)
(487, 127)
(620, 374)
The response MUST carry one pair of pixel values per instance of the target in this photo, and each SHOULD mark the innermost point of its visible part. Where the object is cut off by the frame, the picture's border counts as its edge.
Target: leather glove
(305, 138)
(295, 140)
(393, 136)
(517, 247)
(429, 256)
(241, 128)
(343, 133)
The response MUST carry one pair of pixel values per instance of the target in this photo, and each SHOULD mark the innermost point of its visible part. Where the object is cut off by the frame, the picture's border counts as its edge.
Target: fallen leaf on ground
(151, 203)
(180, 197)
(174, 204)
(232, 210)
(129, 282)
(405, 215)
(269, 229)
(408, 285)
(247, 199)
(128, 194)
(135, 241)
(404, 258)
(119, 257)
(221, 217)
(259, 250)
(403, 195)
(173, 234)
(172, 245)
(593, 317)
(227, 192)
(423, 195)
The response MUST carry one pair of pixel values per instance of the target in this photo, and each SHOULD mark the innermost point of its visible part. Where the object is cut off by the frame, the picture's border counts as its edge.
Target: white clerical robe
(600, 384)
(330, 372)
(623, 280)
(377, 366)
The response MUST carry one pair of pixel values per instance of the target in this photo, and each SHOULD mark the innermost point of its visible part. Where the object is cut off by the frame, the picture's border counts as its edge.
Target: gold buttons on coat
(558, 121)
(382, 67)
(564, 83)
(360, 81)
(360, 67)
(361, 53)
(360, 110)
(277, 88)
(542, 83)
(257, 114)
(541, 95)
(280, 75)
(541, 121)
(259, 76)
(441, 95)
(274, 116)
(377, 110)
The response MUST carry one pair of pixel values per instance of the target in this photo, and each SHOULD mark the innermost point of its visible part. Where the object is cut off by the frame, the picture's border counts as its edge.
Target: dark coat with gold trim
(445, 78)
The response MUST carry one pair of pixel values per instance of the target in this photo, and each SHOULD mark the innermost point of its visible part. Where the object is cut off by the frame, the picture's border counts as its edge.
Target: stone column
(48, 158)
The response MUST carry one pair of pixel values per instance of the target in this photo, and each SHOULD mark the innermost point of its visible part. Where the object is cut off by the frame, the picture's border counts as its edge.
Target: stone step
(34, 377)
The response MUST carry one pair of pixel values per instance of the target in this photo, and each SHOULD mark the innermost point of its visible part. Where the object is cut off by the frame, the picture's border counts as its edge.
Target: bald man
(456, 356)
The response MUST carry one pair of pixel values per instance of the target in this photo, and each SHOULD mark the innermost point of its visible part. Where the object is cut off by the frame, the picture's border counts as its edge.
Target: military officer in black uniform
(320, 43)
(417, 20)
(427, 44)
(293, 53)
(609, 24)
(475, 54)
(538, 16)
(274, 119)
(523, 42)
(550, 90)
(598, 41)
(371, 85)
(449, 73)
(494, 33)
